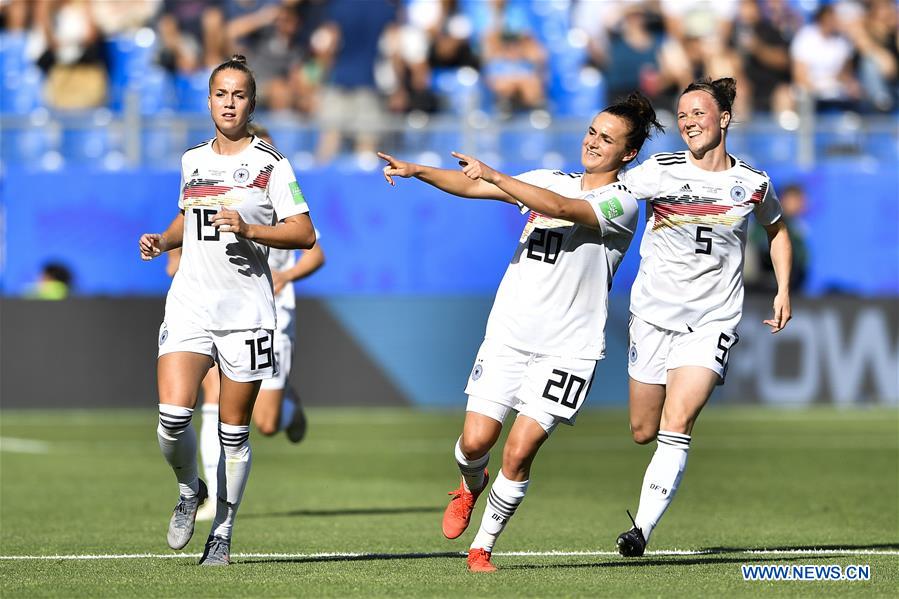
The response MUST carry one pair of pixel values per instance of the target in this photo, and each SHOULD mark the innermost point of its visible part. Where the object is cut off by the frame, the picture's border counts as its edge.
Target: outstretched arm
(453, 182)
(781, 249)
(546, 202)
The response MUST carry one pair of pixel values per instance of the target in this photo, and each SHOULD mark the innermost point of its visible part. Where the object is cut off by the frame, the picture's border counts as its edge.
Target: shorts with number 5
(528, 382)
(242, 355)
(652, 351)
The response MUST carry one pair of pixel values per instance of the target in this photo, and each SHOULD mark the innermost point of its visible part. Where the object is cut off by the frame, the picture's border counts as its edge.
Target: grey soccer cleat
(181, 526)
(217, 552)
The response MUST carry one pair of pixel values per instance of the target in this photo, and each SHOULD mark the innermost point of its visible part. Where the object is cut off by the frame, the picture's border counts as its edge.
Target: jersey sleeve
(643, 179)
(616, 211)
(285, 193)
(768, 210)
(537, 178)
(181, 188)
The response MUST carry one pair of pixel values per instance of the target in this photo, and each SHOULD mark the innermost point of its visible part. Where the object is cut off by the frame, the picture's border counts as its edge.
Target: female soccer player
(688, 295)
(545, 332)
(277, 406)
(239, 197)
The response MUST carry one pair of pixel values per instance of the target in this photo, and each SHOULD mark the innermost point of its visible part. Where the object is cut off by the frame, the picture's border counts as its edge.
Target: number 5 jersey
(691, 268)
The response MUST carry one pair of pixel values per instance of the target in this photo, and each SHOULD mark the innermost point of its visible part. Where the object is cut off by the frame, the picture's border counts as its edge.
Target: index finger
(463, 159)
(386, 157)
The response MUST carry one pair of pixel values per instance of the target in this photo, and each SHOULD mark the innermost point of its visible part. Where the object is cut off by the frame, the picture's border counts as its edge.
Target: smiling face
(604, 148)
(230, 103)
(700, 122)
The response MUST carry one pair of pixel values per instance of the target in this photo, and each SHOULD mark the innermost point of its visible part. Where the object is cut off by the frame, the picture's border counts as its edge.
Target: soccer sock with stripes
(472, 470)
(662, 478)
(504, 498)
(209, 447)
(234, 469)
(178, 442)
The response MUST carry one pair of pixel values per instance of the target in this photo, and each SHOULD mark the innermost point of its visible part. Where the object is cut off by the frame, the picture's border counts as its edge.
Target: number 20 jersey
(553, 299)
(691, 268)
(224, 281)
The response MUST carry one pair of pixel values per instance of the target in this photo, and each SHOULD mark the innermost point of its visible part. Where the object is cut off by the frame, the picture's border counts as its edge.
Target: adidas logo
(196, 173)
(686, 188)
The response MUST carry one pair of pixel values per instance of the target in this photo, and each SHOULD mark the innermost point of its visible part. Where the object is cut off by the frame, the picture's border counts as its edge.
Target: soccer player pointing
(688, 296)
(239, 196)
(545, 332)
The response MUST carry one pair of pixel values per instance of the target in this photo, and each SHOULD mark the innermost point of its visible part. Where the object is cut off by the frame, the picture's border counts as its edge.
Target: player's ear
(725, 119)
(629, 155)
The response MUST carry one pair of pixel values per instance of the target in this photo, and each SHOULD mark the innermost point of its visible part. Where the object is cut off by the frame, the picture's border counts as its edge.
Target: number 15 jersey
(691, 267)
(553, 299)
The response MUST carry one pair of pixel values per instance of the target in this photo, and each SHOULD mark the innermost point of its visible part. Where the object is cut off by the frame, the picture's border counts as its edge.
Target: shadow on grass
(365, 557)
(834, 548)
(698, 560)
(375, 511)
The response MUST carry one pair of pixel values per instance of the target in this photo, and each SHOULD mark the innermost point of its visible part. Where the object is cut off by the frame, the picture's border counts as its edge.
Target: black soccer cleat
(631, 542)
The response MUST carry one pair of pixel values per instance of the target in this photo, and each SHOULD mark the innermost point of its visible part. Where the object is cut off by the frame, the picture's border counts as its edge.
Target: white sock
(287, 409)
(178, 443)
(233, 472)
(210, 447)
(472, 470)
(662, 478)
(504, 498)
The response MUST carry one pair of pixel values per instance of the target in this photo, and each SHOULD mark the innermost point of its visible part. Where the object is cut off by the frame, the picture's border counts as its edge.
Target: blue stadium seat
(21, 91)
(25, 147)
(192, 92)
(85, 145)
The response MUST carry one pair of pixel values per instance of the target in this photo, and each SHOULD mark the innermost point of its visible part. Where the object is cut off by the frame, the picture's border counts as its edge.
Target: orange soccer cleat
(479, 561)
(458, 513)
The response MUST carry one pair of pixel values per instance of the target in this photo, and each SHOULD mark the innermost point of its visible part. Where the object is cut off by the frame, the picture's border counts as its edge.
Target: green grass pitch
(374, 482)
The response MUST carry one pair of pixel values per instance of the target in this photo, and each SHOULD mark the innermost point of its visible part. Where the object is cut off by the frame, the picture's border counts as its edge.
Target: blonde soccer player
(239, 197)
(545, 332)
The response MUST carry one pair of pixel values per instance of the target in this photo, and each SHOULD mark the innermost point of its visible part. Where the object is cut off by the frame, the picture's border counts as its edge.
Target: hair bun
(239, 58)
(727, 87)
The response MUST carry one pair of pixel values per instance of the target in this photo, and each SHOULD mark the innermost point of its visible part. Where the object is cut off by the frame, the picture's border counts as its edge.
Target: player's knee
(474, 447)
(643, 433)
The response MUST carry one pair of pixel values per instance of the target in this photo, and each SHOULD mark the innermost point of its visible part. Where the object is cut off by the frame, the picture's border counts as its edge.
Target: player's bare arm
(310, 261)
(781, 249)
(546, 202)
(292, 233)
(153, 245)
(450, 181)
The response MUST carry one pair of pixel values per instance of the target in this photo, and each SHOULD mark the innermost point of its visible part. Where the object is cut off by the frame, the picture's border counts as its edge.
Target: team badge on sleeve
(477, 372)
(611, 208)
(632, 354)
(297, 193)
(163, 334)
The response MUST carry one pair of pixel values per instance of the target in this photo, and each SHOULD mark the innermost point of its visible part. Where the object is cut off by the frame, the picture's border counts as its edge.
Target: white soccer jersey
(553, 299)
(224, 282)
(279, 259)
(691, 271)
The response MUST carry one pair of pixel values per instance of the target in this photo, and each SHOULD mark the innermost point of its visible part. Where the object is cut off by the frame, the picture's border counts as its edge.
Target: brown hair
(640, 115)
(237, 62)
(723, 90)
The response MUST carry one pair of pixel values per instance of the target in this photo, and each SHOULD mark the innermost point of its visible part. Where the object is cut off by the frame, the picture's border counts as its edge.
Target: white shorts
(654, 351)
(283, 359)
(549, 389)
(242, 355)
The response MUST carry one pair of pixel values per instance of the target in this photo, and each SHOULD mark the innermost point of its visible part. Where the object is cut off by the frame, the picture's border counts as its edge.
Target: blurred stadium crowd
(356, 66)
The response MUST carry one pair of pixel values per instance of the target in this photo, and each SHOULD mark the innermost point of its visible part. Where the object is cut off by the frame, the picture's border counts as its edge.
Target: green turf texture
(375, 481)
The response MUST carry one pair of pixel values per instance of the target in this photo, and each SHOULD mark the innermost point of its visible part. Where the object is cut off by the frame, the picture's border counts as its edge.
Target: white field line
(350, 555)
(14, 445)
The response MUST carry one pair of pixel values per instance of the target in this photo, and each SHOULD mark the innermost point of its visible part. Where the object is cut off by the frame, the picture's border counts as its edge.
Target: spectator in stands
(758, 269)
(448, 31)
(409, 76)
(71, 54)
(873, 33)
(191, 34)
(15, 15)
(822, 63)
(513, 64)
(350, 102)
(765, 57)
(54, 282)
(269, 37)
(633, 57)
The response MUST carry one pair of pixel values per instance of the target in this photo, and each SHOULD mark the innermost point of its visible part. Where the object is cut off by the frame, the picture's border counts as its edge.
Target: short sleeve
(285, 193)
(616, 210)
(643, 179)
(537, 178)
(768, 210)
